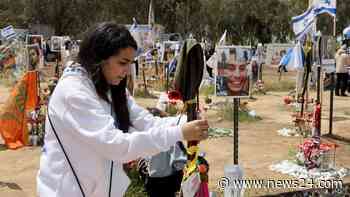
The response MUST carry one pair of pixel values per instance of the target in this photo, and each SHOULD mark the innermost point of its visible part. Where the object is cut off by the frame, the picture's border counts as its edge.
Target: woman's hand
(195, 130)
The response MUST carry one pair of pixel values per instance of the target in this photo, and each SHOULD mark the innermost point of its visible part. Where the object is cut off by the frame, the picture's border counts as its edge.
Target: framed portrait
(328, 46)
(143, 36)
(233, 77)
(275, 52)
(328, 84)
(169, 50)
(35, 39)
(34, 56)
(56, 43)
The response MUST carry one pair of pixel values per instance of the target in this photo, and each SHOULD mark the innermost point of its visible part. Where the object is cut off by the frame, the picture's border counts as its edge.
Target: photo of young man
(233, 77)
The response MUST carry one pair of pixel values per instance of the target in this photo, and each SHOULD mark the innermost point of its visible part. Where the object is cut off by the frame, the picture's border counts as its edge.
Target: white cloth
(296, 61)
(86, 128)
(341, 61)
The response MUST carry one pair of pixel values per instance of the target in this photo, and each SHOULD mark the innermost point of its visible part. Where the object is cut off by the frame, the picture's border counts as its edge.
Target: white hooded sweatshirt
(86, 129)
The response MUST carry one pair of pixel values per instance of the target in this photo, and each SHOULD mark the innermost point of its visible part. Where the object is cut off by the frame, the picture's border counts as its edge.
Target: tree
(247, 21)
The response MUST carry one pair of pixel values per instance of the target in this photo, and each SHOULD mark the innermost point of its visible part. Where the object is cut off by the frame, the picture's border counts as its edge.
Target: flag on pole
(346, 33)
(303, 23)
(151, 19)
(8, 32)
(325, 6)
(134, 24)
(222, 40)
(294, 58)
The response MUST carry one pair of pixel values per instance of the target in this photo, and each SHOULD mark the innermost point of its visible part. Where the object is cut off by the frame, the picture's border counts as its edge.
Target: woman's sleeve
(142, 119)
(87, 120)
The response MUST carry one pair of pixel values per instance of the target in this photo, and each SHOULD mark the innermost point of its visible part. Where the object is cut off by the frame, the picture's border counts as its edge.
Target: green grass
(279, 86)
(226, 112)
(292, 152)
(274, 83)
(207, 90)
(159, 86)
(140, 93)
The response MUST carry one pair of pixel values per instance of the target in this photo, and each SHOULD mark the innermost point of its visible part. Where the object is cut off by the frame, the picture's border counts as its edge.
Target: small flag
(346, 33)
(151, 19)
(8, 32)
(134, 24)
(222, 40)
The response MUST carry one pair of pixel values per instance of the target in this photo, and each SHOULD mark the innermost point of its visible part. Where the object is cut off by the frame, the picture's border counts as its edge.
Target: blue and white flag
(325, 6)
(8, 32)
(151, 20)
(296, 61)
(286, 58)
(293, 59)
(222, 40)
(172, 65)
(303, 23)
(346, 33)
(134, 25)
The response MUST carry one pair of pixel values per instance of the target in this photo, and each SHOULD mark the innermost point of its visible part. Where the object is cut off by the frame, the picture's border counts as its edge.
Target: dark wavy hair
(101, 42)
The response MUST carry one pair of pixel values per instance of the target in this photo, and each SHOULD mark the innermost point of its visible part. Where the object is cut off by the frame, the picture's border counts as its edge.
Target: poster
(169, 50)
(34, 56)
(233, 75)
(328, 45)
(56, 43)
(143, 35)
(275, 52)
(35, 39)
(328, 84)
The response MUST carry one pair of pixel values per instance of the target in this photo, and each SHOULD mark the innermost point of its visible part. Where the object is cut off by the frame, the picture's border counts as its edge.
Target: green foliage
(247, 21)
(207, 90)
(136, 188)
(171, 110)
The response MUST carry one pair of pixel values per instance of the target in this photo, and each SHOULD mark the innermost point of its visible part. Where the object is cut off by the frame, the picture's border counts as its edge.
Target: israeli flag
(294, 58)
(172, 66)
(222, 40)
(286, 58)
(8, 32)
(346, 33)
(134, 25)
(325, 6)
(303, 23)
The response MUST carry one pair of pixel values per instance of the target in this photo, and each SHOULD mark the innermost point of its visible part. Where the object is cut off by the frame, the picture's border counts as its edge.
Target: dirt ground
(259, 145)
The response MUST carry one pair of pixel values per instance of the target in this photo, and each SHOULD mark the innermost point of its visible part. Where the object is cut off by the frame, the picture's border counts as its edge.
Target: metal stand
(235, 130)
(318, 84)
(331, 105)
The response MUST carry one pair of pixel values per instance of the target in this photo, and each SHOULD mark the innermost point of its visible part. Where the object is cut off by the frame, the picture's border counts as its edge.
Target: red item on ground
(287, 100)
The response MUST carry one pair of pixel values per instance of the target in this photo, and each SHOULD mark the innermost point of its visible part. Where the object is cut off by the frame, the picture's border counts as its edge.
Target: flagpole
(335, 26)
(331, 95)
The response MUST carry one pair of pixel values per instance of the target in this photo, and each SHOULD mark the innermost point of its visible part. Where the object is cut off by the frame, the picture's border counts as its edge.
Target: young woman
(94, 125)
